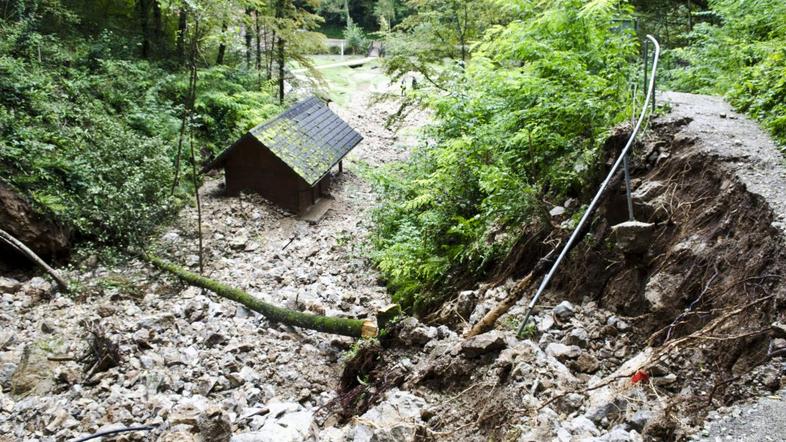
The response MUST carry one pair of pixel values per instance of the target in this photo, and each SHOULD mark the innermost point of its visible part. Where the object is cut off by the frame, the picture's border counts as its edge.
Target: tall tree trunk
(248, 38)
(143, 7)
(346, 10)
(281, 53)
(158, 28)
(182, 24)
(259, 44)
(281, 60)
(222, 48)
(269, 53)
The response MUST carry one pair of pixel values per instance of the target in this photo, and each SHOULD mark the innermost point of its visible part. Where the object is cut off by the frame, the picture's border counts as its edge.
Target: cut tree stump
(340, 326)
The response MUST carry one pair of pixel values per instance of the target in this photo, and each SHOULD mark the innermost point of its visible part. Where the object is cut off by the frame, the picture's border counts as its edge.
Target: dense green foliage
(522, 124)
(89, 131)
(741, 53)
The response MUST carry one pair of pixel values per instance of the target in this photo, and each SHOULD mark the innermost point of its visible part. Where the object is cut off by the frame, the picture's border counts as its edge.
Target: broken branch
(19, 245)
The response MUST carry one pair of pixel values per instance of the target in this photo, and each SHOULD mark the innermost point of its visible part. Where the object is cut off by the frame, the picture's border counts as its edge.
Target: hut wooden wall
(252, 167)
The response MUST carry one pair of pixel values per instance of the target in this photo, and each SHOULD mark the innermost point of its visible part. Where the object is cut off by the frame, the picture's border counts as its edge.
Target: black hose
(110, 432)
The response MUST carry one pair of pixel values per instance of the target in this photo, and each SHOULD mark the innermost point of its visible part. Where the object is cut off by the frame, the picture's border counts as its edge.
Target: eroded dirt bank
(650, 326)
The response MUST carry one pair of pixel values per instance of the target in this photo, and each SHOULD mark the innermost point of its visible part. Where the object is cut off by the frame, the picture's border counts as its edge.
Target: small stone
(185, 414)
(105, 310)
(665, 380)
(771, 379)
(6, 371)
(47, 327)
(586, 363)
(557, 211)
(578, 336)
(9, 285)
(482, 344)
(546, 323)
(581, 426)
(563, 311)
(37, 289)
(639, 419)
(563, 352)
(215, 339)
(412, 332)
(617, 434)
(214, 425)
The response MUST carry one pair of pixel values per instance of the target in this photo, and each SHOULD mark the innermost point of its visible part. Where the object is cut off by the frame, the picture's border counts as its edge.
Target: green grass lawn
(344, 82)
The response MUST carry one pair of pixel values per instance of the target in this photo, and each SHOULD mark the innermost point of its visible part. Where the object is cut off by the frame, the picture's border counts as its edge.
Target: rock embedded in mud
(578, 336)
(412, 332)
(9, 285)
(482, 344)
(214, 425)
(632, 237)
(564, 311)
(563, 352)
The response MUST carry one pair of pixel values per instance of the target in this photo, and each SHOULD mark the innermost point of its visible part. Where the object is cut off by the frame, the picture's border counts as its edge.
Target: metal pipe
(627, 188)
(603, 186)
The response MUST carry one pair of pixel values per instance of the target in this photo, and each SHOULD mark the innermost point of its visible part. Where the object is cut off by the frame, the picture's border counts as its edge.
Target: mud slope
(639, 338)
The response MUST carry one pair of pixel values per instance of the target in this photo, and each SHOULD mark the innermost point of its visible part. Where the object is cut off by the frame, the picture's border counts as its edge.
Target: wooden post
(341, 167)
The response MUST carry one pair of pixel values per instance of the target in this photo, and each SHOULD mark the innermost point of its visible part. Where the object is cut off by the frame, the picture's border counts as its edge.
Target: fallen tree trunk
(339, 326)
(23, 249)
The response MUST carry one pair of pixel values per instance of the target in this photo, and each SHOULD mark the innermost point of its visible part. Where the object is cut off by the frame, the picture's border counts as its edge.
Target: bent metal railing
(620, 160)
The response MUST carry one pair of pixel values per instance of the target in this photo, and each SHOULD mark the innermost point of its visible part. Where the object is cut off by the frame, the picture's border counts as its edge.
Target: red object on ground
(640, 375)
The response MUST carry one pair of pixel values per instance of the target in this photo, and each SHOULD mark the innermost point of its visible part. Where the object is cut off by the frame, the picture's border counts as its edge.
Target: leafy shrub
(524, 123)
(356, 38)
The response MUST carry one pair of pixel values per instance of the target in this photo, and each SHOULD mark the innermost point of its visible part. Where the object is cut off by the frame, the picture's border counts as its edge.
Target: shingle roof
(308, 137)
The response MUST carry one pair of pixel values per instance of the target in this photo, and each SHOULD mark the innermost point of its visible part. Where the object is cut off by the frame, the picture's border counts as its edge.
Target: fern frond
(595, 8)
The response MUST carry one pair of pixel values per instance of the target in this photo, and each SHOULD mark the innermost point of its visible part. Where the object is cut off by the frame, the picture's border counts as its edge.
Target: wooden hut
(289, 159)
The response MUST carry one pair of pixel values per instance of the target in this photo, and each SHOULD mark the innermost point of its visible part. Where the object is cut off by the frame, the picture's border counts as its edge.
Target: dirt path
(739, 143)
